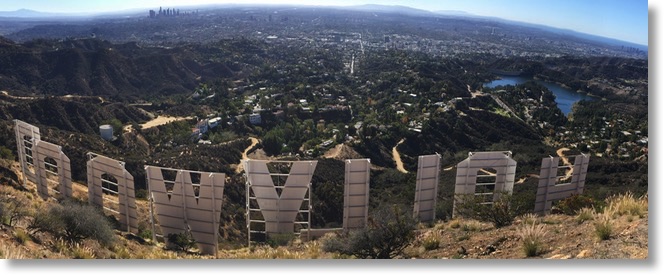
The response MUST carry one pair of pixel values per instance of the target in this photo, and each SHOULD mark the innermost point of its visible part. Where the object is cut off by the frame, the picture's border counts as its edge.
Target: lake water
(565, 98)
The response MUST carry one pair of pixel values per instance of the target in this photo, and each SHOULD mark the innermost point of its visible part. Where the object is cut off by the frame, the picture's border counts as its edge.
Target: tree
(272, 141)
(115, 123)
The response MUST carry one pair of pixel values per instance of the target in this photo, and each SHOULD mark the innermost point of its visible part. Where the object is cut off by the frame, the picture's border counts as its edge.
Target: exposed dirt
(240, 167)
(565, 238)
(161, 120)
(397, 158)
(342, 152)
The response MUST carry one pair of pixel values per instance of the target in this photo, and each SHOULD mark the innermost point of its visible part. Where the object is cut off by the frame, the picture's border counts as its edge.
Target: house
(202, 126)
(255, 119)
(214, 122)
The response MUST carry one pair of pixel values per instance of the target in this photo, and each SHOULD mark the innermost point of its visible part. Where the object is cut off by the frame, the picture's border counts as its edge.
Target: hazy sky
(622, 19)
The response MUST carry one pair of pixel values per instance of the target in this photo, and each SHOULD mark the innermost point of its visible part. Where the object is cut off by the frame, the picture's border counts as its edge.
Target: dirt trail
(397, 158)
(5, 93)
(240, 166)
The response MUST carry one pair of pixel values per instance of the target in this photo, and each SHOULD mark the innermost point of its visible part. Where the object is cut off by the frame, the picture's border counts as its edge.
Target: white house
(214, 122)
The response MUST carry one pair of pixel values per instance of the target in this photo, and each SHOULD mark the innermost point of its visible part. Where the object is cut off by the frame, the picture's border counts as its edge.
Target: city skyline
(618, 19)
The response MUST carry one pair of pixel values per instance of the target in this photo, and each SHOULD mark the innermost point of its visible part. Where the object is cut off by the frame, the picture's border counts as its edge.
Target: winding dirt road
(397, 158)
(562, 156)
(101, 99)
(240, 166)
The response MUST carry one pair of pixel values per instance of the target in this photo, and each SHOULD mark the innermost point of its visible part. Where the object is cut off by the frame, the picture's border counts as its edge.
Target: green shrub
(6, 153)
(142, 194)
(182, 241)
(570, 205)
(501, 212)
(389, 231)
(144, 231)
(280, 239)
(73, 222)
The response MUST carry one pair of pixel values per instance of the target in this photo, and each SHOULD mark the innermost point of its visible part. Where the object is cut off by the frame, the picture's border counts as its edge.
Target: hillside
(208, 90)
(92, 67)
(306, 99)
(565, 237)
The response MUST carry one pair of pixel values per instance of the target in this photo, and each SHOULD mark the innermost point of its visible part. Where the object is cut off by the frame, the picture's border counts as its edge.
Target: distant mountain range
(26, 13)
(561, 31)
(397, 9)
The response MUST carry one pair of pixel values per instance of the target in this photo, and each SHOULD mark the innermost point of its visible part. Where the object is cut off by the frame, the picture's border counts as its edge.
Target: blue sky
(621, 19)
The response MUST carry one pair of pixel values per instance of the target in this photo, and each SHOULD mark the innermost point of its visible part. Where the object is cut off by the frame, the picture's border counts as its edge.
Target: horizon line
(433, 12)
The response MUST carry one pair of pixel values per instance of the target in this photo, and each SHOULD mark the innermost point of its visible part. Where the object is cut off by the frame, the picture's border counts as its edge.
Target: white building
(214, 122)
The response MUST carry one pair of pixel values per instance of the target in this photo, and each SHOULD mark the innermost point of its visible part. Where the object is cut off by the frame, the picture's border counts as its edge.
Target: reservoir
(565, 98)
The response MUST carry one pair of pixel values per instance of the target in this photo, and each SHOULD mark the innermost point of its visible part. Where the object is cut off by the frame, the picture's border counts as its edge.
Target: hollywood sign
(278, 192)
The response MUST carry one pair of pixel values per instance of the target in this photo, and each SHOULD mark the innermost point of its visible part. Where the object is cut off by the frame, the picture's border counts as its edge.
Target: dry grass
(604, 226)
(627, 204)
(529, 218)
(78, 251)
(532, 236)
(472, 225)
(432, 240)
(58, 245)
(264, 252)
(454, 224)
(9, 252)
(616, 206)
(585, 214)
(21, 236)
(121, 252)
